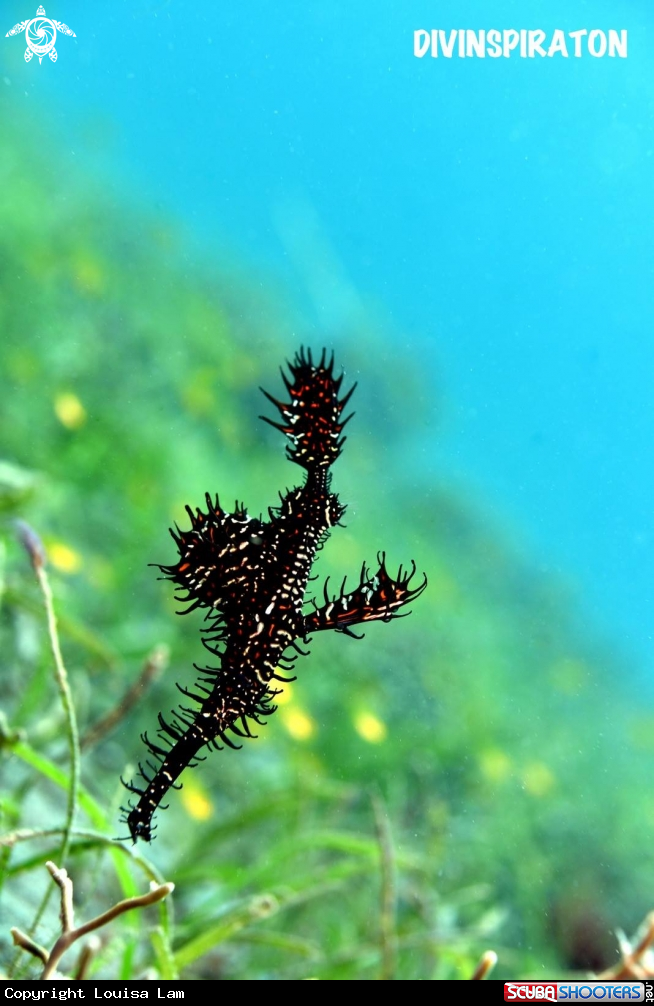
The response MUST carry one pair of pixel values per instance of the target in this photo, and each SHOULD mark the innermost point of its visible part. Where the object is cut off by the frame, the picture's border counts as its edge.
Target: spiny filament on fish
(250, 577)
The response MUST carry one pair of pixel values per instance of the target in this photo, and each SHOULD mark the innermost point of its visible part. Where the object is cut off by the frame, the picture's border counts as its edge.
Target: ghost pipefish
(250, 576)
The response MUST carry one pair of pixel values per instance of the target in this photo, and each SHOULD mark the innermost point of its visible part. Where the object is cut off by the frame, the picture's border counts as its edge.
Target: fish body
(250, 577)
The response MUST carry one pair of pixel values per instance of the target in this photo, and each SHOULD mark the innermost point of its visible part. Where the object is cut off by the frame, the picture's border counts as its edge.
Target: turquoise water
(491, 216)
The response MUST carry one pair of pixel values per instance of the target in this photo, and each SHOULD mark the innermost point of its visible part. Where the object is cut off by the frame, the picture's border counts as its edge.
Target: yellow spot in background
(298, 723)
(285, 694)
(196, 802)
(538, 779)
(495, 764)
(198, 394)
(63, 557)
(69, 410)
(370, 727)
(89, 275)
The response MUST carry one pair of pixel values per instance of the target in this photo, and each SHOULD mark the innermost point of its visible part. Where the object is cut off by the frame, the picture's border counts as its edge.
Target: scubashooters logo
(588, 991)
(526, 43)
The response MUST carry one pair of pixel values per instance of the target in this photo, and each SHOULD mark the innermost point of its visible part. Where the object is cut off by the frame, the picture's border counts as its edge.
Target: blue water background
(495, 215)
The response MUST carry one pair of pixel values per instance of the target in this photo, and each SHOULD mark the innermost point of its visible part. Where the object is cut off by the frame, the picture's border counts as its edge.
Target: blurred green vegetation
(503, 752)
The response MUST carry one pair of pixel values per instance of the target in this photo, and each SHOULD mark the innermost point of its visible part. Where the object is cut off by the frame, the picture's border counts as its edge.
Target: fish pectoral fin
(378, 597)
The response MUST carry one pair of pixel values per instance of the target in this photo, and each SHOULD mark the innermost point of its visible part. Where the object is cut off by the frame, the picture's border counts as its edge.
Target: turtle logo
(40, 35)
